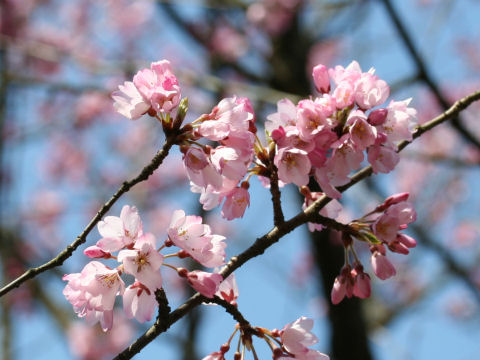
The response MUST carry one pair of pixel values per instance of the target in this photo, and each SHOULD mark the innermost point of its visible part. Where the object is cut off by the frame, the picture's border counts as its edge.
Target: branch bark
(68, 251)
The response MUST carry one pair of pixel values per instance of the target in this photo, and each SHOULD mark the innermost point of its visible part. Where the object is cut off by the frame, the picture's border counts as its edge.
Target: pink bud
(392, 200)
(377, 117)
(343, 285)
(397, 247)
(382, 267)
(338, 290)
(195, 159)
(96, 252)
(278, 134)
(321, 79)
(396, 198)
(362, 287)
(205, 283)
(406, 240)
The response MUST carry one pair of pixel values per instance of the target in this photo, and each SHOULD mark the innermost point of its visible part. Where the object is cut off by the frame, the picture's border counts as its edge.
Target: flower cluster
(381, 230)
(216, 173)
(152, 91)
(326, 136)
(93, 291)
(292, 342)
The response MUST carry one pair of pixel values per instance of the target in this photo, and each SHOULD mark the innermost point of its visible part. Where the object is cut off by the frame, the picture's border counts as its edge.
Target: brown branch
(68, 251)
(424, 75)
(184, 26)
(231, 309)
(274, 235)
(278, 216)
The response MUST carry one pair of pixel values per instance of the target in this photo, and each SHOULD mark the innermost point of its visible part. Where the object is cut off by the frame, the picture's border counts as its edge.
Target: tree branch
(424, 75)
(278, 216)
(274, 235)
(68, 251)
(195, 35)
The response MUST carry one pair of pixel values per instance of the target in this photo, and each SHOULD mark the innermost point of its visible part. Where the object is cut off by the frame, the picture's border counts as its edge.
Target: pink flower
(312, 118)
(228, 163)
(327, 179)
(129, 102)
(228, 289)
(382, 267)
(205, 283)
(158, 86)
(349, 74)
(382, 158)
(188, 233)
(119, 232)
(143, 262)
(370, 91)
(230, 116)
(97, 253)
(242, 142)
(362, 134)
(92, 292)
(200, 170)
(195, 159)
(400, 121)
(344, 94)
(297, 336)
(236, 201)
(285, 116)
(321, 79)
(403, 211)
(293, 166)
(139, 302)
(386, 227)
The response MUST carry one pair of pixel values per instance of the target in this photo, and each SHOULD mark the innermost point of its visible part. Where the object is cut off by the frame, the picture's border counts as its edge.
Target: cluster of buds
(381, 230)
(292, 342)
(93, 291)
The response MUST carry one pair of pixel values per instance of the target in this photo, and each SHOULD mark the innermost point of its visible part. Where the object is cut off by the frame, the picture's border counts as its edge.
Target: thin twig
(68, 251)
(278, 216)
(231, 309)
(424, 75)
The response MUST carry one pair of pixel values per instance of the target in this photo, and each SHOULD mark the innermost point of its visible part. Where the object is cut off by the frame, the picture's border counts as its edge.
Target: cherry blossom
(158, 86)
(205, 283)
(143, 262)
(139, 302)
(129, 102)
(119, 232)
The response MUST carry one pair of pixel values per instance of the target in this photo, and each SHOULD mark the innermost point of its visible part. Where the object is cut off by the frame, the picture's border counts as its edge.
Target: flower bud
(321, 79)
(377, 117)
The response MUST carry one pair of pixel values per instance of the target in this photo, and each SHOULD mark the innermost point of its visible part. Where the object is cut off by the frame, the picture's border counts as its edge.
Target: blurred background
(64, 151)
